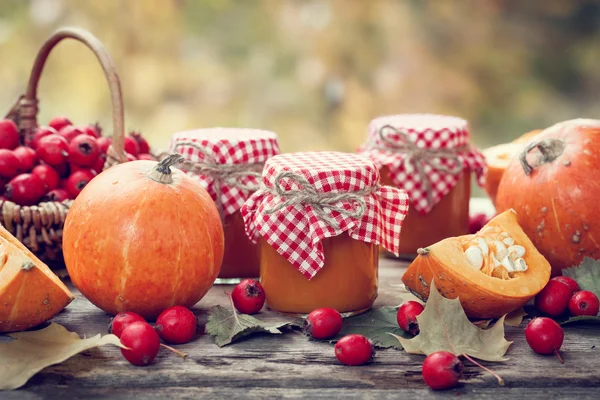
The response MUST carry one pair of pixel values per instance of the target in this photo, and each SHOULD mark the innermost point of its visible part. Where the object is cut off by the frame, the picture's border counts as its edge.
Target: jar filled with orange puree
(228, 162)
(431, 158)
(318, 219)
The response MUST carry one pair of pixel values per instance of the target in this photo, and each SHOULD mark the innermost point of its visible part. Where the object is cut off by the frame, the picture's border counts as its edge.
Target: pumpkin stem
(423, 251)
(162, 171)
(27, 265)
(550, 150)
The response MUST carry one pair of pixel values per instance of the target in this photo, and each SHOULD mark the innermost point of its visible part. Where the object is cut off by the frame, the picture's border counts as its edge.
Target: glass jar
(430, 157)
(228, 162)
(319, 218)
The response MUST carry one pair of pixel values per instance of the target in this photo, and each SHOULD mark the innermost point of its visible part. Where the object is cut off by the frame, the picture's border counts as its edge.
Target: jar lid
(425, 154)
(227, 161)
(306, 197)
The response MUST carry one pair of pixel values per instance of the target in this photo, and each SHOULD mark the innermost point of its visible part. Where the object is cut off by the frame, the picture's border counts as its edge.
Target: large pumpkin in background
(554, 187)
(143, 237)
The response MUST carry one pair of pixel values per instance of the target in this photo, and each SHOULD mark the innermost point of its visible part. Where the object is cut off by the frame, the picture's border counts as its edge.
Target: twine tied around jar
(229, 174)
(319, 201)
(419, 157)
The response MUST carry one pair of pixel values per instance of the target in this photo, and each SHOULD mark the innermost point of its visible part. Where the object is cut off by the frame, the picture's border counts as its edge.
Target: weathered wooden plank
(292, 366)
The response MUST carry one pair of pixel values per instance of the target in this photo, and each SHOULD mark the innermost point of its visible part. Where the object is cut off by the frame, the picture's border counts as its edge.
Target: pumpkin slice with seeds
(494, 272)
(30, 293)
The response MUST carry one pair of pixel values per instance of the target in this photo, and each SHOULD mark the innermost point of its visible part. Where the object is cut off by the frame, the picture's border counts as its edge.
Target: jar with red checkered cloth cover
(430, 157)
(228, 162)
(319, 218)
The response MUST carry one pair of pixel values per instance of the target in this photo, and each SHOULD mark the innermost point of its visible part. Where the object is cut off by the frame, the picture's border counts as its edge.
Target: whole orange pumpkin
(553, 186)
(143, 237)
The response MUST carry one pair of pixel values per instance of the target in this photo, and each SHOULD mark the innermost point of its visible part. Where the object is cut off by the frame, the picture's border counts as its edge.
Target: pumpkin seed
(482, 244)
(519, 251)
(474, 257)
(501, 251)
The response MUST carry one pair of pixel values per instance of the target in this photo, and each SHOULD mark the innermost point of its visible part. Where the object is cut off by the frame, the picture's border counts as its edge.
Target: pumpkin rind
(481, 296)
(557, 201)
(132, 243)
(30, 293)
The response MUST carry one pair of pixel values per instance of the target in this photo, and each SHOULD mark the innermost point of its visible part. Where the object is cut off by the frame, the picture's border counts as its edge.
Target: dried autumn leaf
(515, 318)
(227, 326)
(443, 325)
(586, 274)
(30, 352)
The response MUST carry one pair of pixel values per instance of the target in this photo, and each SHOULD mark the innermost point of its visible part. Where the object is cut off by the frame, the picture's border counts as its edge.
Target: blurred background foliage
(314, 71)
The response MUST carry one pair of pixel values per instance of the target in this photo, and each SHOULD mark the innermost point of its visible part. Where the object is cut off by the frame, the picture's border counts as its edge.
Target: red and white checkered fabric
(425, 131)
(296, 230)
(227, 146)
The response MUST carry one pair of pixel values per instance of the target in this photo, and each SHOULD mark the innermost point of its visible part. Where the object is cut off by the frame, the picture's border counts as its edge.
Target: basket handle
(28, 109)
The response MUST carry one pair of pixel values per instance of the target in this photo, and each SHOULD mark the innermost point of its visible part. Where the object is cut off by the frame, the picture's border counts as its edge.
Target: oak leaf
(586, 274)
(444, 326)
(30, 352)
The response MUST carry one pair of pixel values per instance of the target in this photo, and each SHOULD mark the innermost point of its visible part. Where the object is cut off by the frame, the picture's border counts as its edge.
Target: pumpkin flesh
(482, 292)
(30, 293)
(134, 244)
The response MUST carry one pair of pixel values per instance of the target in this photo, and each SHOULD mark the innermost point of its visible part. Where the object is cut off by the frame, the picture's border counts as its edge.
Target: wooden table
(290, 366)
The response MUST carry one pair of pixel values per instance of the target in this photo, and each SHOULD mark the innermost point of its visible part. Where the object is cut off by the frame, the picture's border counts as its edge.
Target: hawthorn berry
(570, 282)
(39, 133)
(25, 189)
(248, 296)
(9, 134)
(9, 164)
(70, 132)
(103, 144)
(78, 180)
(584, 302)
(131, 146)
(122, 320)
(83, 151)
(58, 195)
(407, 316)
(354, 349)
(176, 325)
(442, 370)
(323, 323)
(27, 158)
(48, 175)
(53, 150)
(143, 146)
(544, 336)
(553, 299)
(59, 122)
(142, 343)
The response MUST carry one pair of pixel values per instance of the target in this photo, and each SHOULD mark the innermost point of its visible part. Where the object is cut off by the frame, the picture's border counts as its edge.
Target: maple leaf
(586, 274)
(227, 326)
(444, 326)
(30, 352)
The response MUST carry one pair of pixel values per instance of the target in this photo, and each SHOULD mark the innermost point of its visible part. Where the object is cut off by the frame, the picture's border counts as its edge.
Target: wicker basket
(40, 227)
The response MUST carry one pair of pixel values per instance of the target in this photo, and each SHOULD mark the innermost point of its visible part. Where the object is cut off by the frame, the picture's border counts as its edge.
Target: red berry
(103, 144)
(9, 134)
(569, 282)
(131, 146)
(39, 133)
(122, 320)
(248, 296)
(92, 129)
(407, 316)
(78, 180)
(48, 175)
(477, 221)
(25, 189)
(59, 122)
(584, 302)
(143, 146)
(58, 195)
(354, 350)
(148, 157)
(553, 299)
(27, 158)
(70, 132)
(53, 150)
(544, 336)
(131, 157)
(442, 370)
(176, 325)
(323, 323)
(99, 164)
(83, 151)
(142, 342)
(9, 164)
(63, 184)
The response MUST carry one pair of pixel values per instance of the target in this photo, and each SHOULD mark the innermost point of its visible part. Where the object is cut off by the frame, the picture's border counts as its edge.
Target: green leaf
(582, 319)
(227, 326)
(587, 275)
(443, 325)
(30, 352)
(378, 325)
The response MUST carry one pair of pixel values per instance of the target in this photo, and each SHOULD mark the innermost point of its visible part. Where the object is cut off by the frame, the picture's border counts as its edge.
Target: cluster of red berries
(175, 325)
(57, 162)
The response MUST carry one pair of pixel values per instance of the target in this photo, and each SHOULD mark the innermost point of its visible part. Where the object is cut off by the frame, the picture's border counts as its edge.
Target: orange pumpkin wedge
(494, 272)
(498, 157)
(30, 293)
